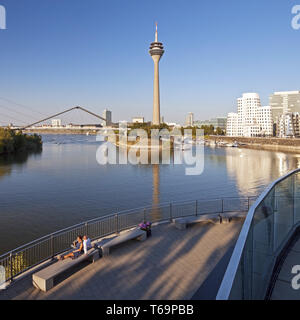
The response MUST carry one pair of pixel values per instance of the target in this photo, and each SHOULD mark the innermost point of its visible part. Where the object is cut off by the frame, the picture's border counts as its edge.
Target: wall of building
(251, 119)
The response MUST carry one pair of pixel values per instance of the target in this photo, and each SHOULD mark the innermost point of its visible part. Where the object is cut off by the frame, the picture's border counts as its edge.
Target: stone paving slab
(296, 247)
(172, 264)
(292, 259)
(283, 289)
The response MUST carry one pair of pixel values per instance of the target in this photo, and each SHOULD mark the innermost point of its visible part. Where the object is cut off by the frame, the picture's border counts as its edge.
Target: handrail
(227, 282)
(163, 204)
(26, 256)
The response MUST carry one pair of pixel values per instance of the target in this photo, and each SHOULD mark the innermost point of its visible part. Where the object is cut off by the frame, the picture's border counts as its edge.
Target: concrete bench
(43, 279)
(181, 223)
(136, 234)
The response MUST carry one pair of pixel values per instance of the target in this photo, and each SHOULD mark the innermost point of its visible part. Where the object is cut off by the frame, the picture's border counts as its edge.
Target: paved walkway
(172, 264)
(283, 289)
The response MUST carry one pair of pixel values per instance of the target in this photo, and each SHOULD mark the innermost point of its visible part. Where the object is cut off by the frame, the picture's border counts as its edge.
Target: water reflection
(65, 185)
(10, 161)
(252, 169)
(155, 196)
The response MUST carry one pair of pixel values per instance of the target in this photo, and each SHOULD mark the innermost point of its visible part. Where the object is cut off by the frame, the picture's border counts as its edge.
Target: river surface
(64, 184)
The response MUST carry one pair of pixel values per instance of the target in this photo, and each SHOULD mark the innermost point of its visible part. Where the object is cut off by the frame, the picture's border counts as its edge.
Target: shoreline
(287, 145)
(268, 144)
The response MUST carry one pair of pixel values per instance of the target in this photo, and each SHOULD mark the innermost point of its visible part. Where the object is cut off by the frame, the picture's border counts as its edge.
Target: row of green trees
(14, 141)
(208, 130)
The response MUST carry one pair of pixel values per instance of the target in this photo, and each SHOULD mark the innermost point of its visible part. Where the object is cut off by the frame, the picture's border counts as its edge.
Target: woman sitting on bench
(76, 253)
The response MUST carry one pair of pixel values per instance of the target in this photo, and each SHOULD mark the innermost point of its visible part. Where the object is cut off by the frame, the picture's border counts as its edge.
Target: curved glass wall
(270, 223)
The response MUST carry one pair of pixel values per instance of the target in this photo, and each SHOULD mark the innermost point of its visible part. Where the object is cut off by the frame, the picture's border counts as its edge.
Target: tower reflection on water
(155, 213)
(250, 169)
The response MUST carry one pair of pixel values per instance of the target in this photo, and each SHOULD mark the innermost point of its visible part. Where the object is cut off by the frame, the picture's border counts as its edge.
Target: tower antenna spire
(156, 36)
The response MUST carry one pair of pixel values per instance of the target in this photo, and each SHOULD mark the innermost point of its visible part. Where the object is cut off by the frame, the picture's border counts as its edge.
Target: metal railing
(268, 228)
(38, 251)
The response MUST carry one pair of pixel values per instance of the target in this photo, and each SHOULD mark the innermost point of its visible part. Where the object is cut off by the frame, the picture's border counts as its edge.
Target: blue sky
(59, 53)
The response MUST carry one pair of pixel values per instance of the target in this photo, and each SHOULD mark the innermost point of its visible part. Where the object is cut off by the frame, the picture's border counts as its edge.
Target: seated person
(74, 244)
(87, 244)
(75, 253)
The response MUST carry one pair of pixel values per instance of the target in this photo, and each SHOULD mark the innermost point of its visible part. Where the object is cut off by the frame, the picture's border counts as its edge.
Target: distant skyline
(56, 54)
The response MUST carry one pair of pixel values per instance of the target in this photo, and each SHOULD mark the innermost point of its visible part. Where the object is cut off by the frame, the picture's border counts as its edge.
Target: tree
(220, 132)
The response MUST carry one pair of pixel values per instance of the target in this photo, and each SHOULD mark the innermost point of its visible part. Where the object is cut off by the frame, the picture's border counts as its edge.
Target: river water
(64, 184)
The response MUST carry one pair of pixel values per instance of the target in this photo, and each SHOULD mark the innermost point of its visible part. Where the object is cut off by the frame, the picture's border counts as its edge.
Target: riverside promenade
(172, 264)
(283, 289)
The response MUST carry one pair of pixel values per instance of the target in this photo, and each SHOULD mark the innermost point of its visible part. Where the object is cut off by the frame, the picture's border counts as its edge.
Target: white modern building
(252, 119)
(232, 124)
(56, 123)
(138, 120)
(264, 119)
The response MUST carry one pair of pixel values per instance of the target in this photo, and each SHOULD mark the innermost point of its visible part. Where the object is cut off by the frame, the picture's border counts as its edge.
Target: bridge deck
(172, 264)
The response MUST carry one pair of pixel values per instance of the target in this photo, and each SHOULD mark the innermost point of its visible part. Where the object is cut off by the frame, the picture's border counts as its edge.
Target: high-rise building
(247, 111)
(189, 121)
(264, 119)
(252, 119)
(156, 51)
(108, 116)
(284, 102)
(232, 124)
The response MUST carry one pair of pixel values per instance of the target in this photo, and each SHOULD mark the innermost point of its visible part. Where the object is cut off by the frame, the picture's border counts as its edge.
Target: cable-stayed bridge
(76, 117)
(61, 113)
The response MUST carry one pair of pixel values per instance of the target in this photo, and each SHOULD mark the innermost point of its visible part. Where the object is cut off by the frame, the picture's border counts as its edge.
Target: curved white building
(252, 119)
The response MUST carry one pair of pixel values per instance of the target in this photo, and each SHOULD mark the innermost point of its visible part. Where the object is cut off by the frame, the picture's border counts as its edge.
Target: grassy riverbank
(12, 141)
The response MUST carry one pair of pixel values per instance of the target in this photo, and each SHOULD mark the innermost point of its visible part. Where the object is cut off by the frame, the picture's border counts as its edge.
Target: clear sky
(59, 53)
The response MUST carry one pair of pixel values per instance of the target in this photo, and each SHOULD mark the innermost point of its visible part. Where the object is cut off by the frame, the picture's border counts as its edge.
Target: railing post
(86, 228)
(117, 222)
(196, 207)
(222, 205)
(293, 195)
(52, 246)
(11, 266)
(171, 216)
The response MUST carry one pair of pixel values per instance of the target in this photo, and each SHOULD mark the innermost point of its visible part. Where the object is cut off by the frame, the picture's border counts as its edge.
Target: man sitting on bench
(77, 252)
(87, 245)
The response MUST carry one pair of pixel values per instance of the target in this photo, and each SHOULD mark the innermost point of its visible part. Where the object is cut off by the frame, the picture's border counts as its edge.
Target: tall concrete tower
(156, 51)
